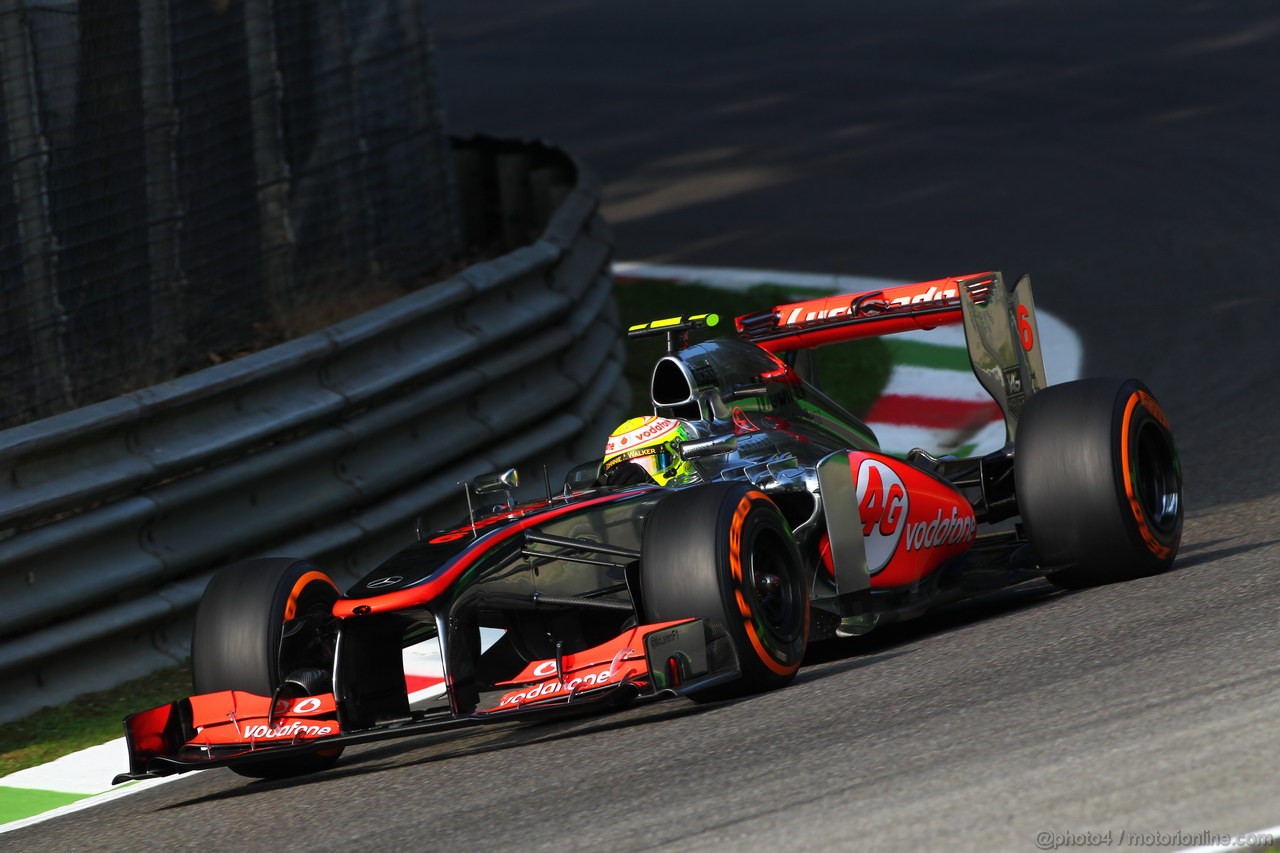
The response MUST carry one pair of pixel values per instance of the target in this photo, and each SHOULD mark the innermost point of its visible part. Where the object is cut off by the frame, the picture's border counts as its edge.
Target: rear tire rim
(1156, 478)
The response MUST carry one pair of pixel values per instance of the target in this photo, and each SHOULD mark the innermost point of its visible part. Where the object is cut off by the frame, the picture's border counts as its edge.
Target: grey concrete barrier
(114, 516)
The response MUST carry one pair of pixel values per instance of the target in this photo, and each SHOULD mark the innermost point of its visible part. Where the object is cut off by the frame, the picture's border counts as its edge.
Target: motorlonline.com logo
(1048, 840)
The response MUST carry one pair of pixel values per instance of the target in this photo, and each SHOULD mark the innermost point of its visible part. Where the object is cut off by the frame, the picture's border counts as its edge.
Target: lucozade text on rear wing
(1001, 333)
(871, 313)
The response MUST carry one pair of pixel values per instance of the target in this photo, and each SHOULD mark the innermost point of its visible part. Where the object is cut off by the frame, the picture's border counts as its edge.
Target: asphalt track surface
(1125, 154)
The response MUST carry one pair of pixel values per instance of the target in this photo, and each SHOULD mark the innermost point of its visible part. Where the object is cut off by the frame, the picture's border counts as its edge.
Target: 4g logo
(882, 505)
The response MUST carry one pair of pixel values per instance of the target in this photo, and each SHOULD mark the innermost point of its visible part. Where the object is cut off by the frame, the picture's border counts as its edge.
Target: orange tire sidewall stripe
(1148, 536)
(291, 606)
(735, 568)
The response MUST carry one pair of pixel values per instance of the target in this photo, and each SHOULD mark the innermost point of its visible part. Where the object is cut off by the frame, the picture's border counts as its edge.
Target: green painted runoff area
(17, 803)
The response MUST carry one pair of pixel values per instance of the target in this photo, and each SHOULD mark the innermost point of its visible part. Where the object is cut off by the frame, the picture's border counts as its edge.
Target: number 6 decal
(1024, 328)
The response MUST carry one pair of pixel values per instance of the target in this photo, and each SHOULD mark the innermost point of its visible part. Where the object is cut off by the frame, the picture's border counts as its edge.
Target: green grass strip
(17, 803)
(87, 721)
(918, 354)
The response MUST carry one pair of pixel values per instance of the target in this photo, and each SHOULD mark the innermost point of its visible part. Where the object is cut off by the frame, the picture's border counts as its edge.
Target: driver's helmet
(651, 443)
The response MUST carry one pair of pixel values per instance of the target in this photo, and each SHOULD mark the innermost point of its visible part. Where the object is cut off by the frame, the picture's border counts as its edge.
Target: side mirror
(498, 481)
(582, 477)
(713, 446)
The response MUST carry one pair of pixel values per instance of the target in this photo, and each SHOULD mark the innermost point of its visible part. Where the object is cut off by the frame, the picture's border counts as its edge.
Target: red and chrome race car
(748, 517)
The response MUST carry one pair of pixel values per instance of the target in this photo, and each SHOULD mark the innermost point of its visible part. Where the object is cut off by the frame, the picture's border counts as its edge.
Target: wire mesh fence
(176, 173)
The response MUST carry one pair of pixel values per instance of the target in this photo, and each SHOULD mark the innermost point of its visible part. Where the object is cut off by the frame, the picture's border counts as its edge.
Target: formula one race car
(747, 517)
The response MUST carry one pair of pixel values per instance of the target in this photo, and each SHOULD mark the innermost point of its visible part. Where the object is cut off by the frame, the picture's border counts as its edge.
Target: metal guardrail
(114, 516)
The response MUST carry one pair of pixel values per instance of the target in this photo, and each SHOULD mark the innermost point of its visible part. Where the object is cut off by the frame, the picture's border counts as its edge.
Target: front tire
(261, 623)
(723, 552)
(1098, 481)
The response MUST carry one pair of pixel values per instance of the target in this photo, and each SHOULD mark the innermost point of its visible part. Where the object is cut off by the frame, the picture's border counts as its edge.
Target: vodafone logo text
(555, 688)
(943, 530)
(653, 428)
(290, 730)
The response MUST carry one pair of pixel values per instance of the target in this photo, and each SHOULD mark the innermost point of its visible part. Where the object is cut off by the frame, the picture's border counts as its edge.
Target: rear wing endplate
(1004, 341)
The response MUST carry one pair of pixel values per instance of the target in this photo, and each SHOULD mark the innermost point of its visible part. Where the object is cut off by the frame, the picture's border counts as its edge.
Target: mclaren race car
(747, 517)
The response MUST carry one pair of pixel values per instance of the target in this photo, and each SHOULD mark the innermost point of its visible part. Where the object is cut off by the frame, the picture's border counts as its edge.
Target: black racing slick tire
(259, 622)
(1099, 483)
(724, 553)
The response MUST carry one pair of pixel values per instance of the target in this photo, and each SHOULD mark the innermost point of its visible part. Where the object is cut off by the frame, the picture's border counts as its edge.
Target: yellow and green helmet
(650, 442)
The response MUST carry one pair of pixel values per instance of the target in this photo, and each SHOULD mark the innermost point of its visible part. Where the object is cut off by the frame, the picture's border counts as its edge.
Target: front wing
(234, 727)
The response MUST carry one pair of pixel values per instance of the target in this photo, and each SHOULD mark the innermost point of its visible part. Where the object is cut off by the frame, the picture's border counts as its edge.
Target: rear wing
(999, 328)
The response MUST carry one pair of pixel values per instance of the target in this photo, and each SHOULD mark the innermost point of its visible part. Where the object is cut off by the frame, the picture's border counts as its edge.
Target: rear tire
(723, 552)
(1098, 481)
(237, 644)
